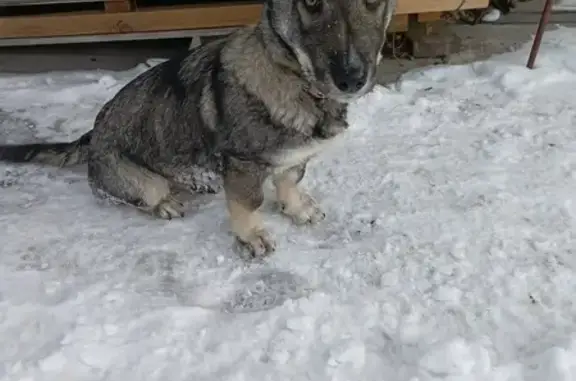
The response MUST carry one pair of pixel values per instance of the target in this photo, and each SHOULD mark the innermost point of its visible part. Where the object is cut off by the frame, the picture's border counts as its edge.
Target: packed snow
(564, 5)
(448, 251)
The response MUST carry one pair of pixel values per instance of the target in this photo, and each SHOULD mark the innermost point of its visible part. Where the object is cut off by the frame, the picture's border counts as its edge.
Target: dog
(253, 105)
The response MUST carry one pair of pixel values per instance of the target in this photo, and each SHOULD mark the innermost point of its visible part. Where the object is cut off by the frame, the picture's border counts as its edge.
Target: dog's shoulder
(181, 72)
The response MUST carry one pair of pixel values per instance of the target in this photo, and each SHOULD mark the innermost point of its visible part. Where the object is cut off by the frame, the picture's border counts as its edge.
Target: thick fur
(255, 104)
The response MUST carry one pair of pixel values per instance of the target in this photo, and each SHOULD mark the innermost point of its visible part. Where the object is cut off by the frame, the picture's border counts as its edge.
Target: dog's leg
(244, 196)
(299, 206)
(119, 179)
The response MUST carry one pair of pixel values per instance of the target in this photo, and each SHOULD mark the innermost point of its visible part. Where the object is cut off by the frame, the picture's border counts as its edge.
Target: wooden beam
(118, 6)
(22, 3)
(93, 38)
(150, 20)
(429, 17)
(158, 19)
(404, 6)
(427, 6)
(399, 23)
(139, 22)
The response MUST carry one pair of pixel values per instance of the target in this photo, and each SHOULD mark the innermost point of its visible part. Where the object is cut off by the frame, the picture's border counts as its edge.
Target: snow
(564, 5)
(447, 252)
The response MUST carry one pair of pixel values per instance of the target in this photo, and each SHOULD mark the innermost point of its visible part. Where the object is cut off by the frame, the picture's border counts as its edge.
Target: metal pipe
(538, 38)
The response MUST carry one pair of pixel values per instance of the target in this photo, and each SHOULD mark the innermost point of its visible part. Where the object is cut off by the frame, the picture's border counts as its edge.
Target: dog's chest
(324, 137)
(290, 157)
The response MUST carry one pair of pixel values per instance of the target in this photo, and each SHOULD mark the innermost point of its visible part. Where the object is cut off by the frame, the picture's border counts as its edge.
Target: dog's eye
(313, 6)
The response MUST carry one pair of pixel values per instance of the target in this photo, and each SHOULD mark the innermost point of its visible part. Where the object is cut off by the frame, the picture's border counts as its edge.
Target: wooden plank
(399, 23)
(429, 16)
(137, 22)
(118, 6)
(426, 6)
(188, 33)
(404, 6)
(22, 3)
(156, 19)
(149, 20)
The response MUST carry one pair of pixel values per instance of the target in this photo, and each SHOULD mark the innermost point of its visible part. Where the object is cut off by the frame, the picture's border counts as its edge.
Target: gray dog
(256, 104)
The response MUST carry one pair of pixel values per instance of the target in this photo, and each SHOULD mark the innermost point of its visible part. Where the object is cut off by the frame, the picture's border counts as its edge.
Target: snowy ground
(447, 253)
(564, 5)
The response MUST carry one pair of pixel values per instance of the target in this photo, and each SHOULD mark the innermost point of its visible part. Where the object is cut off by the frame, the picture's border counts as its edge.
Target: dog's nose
(348, 72)
(350, 81)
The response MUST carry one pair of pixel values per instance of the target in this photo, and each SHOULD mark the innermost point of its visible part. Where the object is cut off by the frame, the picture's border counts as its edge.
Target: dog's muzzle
(348, 71)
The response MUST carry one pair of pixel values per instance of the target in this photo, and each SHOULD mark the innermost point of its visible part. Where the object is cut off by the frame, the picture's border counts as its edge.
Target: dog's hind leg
(294, 203)
(115, 177)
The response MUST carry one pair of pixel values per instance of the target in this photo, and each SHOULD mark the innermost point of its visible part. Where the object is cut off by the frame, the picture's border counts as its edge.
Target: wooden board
(149, 20)
(118, 6)
(20, 3)
(158, 19)
(428, 6)
(429, 17)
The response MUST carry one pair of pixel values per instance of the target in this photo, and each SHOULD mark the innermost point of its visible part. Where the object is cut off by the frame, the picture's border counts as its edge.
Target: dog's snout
(350, 81)
(348, 72)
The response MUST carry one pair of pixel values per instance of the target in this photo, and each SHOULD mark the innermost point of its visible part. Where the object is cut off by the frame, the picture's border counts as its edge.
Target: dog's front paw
(259, 243)
(169, 208)
(307, 211)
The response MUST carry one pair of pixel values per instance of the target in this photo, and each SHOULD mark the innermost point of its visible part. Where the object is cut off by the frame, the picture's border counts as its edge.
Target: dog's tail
(56, 154)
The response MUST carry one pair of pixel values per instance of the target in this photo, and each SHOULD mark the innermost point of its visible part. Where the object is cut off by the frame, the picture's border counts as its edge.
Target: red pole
(538, 38)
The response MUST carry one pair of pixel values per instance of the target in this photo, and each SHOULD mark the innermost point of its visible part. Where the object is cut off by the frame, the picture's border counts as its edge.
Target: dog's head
(336, 43)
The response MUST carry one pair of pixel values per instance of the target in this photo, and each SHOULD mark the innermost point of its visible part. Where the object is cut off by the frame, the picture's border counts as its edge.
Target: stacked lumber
(34, 21)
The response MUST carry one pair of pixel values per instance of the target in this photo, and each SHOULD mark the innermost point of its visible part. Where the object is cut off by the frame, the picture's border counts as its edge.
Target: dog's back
(164, 113)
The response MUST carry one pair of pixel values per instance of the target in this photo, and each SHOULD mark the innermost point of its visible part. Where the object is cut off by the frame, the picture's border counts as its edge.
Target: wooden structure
(26, 22)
